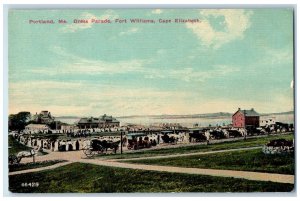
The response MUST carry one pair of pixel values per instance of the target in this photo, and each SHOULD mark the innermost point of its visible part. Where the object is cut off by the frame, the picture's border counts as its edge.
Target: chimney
(239, 109)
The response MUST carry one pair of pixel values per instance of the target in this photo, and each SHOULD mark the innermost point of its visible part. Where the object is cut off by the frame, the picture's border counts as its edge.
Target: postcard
(151, 100)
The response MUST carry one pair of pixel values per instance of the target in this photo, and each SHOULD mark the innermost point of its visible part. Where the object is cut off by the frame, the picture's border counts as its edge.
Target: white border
(118, 3)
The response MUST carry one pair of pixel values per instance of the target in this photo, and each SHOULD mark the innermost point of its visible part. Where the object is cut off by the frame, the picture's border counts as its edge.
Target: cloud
(92, 67)
(277, 56)
(74, 64)
(77, 65)
(235, 23)
(190, 74)
(129, 32)
(43, 85)
(102, 67)
(93, 99)
(88, 98)
(156, 11)
(74, 27)
(161, 52)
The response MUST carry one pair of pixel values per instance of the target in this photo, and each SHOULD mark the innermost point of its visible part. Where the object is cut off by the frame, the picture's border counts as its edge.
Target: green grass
(87, 178)
(15, 146)
(25, 166)
(251, 142)
(248, 160)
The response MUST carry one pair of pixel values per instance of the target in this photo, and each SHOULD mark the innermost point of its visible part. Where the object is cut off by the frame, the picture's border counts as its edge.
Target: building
(68, 127)
(245, 118)
(36, 127)
(44, 117)
(108, 122)
(267, 121)
(90, 122)
(104, 121)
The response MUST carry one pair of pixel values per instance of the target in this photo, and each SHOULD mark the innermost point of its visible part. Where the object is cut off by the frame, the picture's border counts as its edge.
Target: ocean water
(188, 122)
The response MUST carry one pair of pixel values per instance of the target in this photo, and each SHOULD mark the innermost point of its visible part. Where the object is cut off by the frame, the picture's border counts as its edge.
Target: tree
(18, 121)
(54, 124)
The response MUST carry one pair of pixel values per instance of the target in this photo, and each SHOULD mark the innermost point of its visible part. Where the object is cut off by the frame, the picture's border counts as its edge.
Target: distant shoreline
(218, 115)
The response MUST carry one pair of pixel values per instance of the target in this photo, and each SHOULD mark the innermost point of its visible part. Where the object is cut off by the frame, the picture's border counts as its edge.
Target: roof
(136, 134)
(88, 120)
(167, 131)
(199, 129)
(37, 126)
(97, 120)
(248, 113)
(108, 118)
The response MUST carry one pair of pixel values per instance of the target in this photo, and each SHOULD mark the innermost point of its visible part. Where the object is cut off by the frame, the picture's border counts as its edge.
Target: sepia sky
(233, 58)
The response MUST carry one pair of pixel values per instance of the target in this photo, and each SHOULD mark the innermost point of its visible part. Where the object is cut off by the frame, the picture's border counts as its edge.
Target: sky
(233, 58)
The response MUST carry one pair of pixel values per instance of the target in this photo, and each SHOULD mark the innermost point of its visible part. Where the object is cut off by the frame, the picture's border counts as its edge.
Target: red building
(245, 118)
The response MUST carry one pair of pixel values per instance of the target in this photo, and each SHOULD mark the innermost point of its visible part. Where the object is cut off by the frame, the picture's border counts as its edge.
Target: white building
(68, 127)
(36, 127)
(264, 121)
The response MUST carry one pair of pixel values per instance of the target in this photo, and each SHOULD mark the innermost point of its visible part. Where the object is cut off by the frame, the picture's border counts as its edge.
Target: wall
(253, 121)
(238, 120)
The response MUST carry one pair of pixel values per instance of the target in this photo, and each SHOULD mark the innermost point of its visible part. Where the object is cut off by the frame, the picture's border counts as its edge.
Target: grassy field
(196, 148)
(87, 178)
(15, 146)
(22, 166)
(248, 160)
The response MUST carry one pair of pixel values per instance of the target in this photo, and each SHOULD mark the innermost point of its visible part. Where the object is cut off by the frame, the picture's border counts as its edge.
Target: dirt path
(69, 156)
(78, 156)
(257, 176)
(41, 168)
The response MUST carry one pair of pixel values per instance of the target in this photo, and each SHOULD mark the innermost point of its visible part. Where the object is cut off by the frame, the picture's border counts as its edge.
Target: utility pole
(33, 158)
(121, 142)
